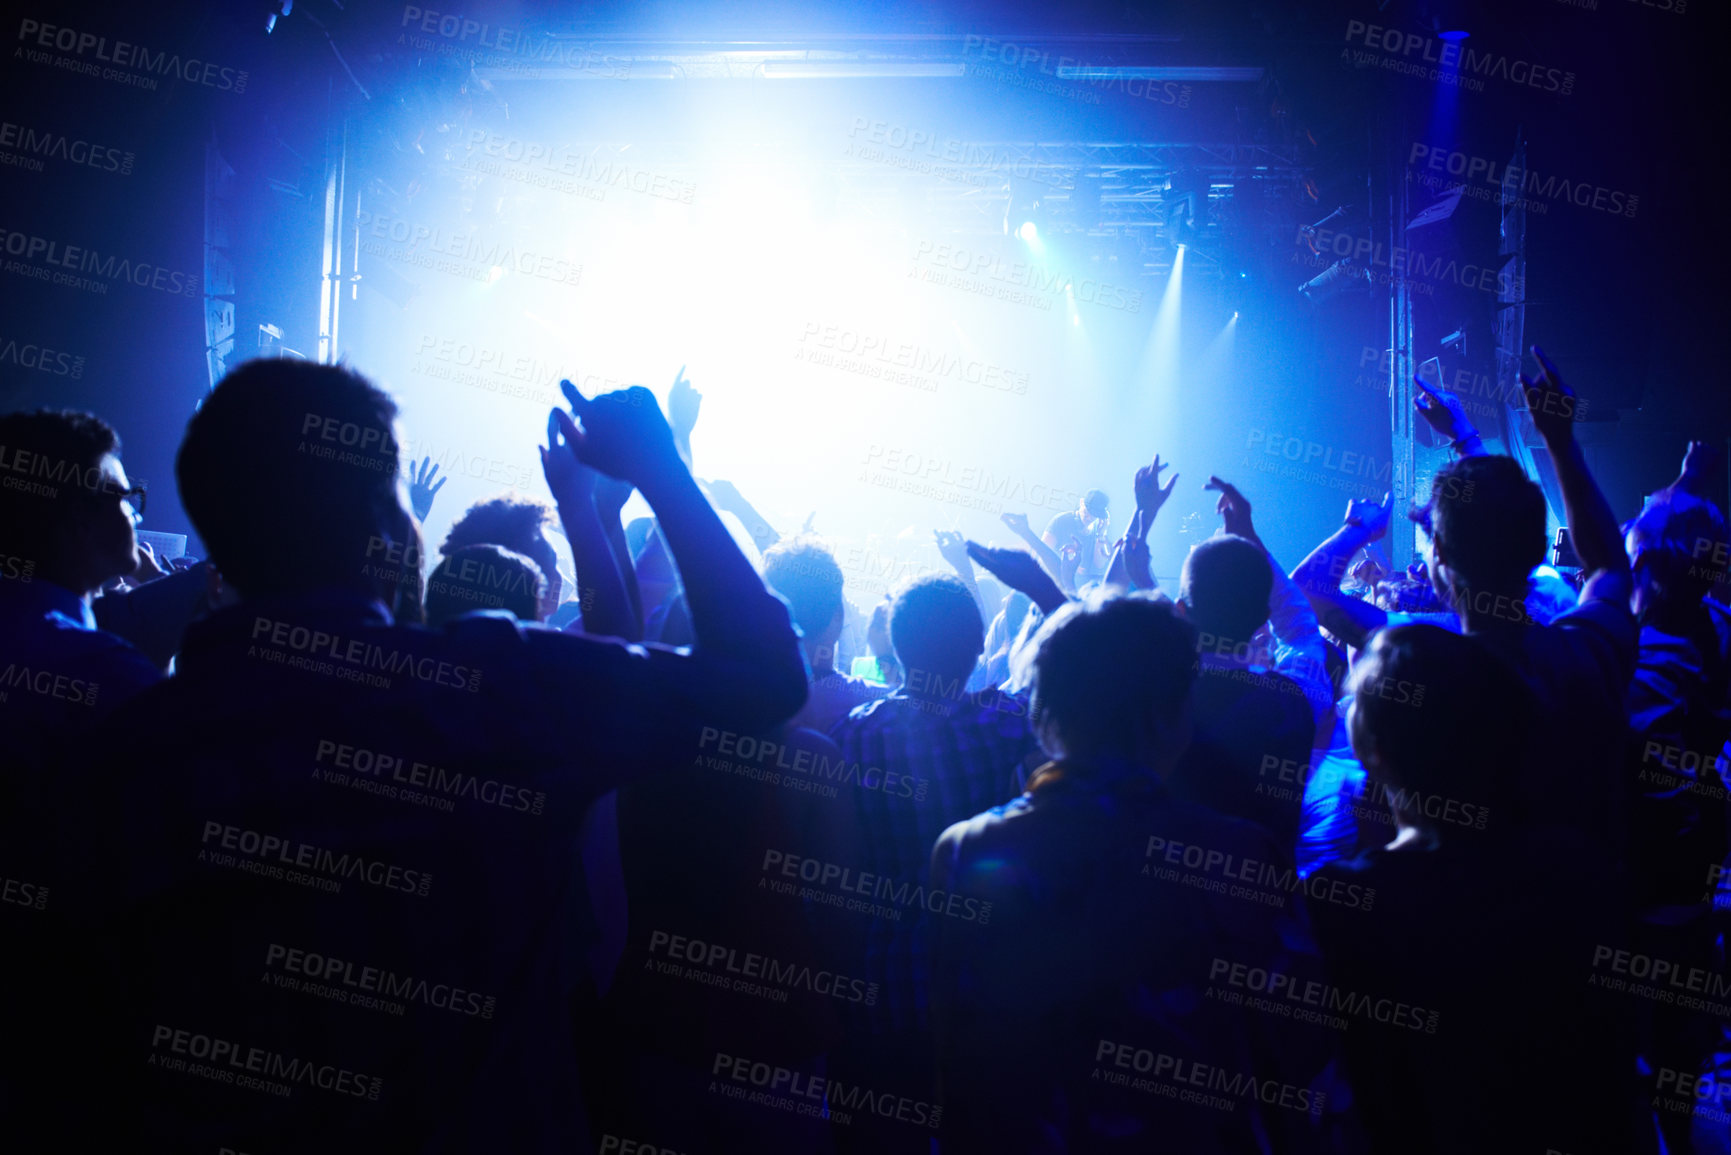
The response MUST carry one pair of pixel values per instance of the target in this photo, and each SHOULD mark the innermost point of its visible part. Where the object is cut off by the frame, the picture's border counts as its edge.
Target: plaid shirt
(964, 757)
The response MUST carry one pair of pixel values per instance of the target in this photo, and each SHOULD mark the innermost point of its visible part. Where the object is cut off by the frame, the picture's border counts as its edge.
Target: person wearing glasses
(68, 527)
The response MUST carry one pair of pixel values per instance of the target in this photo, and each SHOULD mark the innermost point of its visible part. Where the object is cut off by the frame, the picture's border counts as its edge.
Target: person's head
(1224, 588)
(516, 523)
(290, 473)
(1111, 679)
(804, 571)
(1094, 507)
(937, 633)
(1436, 717)
(65, 505)
(484, 577)
(1677, 550)
(1484, 528)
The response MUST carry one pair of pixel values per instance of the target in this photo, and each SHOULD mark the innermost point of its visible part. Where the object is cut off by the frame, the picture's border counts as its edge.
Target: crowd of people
(322, 844)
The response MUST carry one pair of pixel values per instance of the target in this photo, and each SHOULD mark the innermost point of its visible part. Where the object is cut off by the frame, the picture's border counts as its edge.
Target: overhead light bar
(860, 70)
(609, 70)
(1200, 75)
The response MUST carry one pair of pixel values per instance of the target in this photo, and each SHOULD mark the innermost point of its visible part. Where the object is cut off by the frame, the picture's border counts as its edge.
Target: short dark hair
(54, 471)
(1096, 502)
(1226, 583)
(935, 627)
(1101, 664)
(484, 577)
(1488, 521)
(1446, 716)
(288, 469)
(1682, 543)
(511, 521)
(804, 571)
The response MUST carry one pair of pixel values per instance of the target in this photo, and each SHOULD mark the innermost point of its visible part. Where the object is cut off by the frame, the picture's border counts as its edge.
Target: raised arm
(422, 489)
(750, 659)
(1319, 575)
(1598, 539)
(1043, 553)
(1299, 652)
(1018, 570)
(1444, 413)
(607, 609)
(1700, 462)
(953, 548)
(683, 405)
(1150, 497)
(728, 499)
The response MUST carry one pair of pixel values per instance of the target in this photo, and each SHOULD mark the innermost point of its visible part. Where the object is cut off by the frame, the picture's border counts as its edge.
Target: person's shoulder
(847, 687)
(972, 837)
(1608, 620)
(1225, 685)
(98, 655)
(995, 712)
(498, 632)
(878, 709)
(1219, 830)
(1366, 863)
(871, 715)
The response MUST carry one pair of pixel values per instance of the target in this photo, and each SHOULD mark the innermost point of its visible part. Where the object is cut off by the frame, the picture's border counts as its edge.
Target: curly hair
(512, 522)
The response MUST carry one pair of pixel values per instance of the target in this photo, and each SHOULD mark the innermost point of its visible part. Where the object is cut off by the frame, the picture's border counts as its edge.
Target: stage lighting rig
(1024, 215)
(1339, 278)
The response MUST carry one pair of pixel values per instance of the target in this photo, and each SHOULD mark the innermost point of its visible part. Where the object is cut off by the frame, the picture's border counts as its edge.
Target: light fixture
(861, 70)
(1341, 277)
(1227, 75)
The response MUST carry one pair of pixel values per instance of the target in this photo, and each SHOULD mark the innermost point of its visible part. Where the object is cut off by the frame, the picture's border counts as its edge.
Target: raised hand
(1371, 516)
(683, 403)
(1368, 572)
(1233, 508)
(421, 488)
(1443, 411)
(1018, 523)
(1700, 460)
(623, 435)
(1136, 559)
(1150, 494)
(953, 548)
(149, 567)
(1018, 570)
(571, 482)
(1551, 404)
